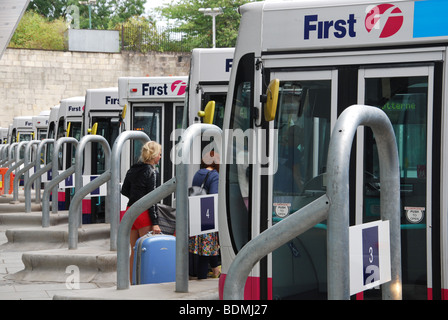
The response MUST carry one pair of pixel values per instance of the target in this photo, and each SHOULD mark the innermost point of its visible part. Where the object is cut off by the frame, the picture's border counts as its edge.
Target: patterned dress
(205, 244)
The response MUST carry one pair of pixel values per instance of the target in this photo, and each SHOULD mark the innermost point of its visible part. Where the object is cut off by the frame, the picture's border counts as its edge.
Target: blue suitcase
(154, 259)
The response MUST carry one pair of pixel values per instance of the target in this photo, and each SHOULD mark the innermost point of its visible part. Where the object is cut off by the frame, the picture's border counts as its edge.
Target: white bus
(155, 106)
(69, 124)
(51, 131)
(3, 135)
(40, 125)
(22, 129)
(208, 81)
(102, 116)
(329, 55)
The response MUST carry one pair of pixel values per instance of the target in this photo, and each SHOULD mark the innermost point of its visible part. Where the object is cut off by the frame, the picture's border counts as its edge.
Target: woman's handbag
(167, 219)
(198, 191)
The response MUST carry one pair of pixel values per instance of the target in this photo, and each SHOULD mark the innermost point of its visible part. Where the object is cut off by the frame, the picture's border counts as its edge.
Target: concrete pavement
(11, 263)
(37, 270)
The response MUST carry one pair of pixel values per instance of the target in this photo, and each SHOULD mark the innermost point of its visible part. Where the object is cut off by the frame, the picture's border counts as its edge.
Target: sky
(151, 4)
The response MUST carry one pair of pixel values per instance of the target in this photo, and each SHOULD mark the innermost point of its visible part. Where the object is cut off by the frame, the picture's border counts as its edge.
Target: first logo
(387, 18)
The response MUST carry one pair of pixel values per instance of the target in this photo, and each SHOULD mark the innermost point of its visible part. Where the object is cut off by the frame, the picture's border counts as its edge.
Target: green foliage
(194, 22)
(43, 25)
(36, 32)
(105, 14)
(141, 35)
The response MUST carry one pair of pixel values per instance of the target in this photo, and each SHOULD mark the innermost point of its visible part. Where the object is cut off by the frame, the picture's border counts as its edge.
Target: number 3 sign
(369, 255)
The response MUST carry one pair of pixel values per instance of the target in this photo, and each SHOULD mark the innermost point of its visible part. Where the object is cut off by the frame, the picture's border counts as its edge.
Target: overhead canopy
(11, 11)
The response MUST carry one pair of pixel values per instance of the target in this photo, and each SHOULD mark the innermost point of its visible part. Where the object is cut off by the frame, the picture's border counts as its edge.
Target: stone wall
(35, 80)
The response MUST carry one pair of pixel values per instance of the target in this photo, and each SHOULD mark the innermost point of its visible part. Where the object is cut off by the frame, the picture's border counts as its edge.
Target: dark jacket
(141, 179)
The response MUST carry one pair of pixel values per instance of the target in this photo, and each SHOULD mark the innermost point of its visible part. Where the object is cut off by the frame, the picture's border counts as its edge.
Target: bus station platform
(36, 264)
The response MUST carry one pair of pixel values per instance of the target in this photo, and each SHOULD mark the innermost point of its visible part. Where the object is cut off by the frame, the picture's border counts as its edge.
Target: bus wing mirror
(271, 100)
(93, 129)
(209, 112)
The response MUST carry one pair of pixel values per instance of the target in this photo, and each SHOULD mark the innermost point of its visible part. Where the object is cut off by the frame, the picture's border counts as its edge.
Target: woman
(141, 179)
(206, 246)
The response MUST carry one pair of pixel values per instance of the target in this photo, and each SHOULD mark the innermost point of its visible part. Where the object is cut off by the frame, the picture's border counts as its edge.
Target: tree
(36, 32)
(191, 21)
(105, 13)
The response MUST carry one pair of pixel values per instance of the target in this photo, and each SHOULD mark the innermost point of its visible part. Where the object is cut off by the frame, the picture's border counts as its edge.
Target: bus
(155, 106)
(69, 123)
(327, 56)
(102, 116)
(208, 81)
(22, 129)
(40, 125)
(40, 129)
(3, 135)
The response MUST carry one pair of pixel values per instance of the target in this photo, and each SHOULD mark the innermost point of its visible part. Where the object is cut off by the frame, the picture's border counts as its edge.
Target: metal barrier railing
(75, 214)
(4, 154)
(27, 165)
(17, 163)
(113, 199)
(335, 207)
(36, 177)
(179, 184)
(52, 186)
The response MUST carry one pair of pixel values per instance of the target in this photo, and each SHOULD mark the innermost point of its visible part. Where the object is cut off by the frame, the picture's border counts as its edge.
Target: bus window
(75, 132)
(404, 100)
(303, 124)
(148, 120)
(239, 169)
(25, 137)
(220, 101)
(109, 128)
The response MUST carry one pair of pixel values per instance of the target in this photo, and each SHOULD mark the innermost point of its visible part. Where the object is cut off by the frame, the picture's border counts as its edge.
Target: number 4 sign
(369, 255)
(203, 214)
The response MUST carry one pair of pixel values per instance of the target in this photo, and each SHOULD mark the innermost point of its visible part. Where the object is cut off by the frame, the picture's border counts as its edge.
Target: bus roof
(71, 107)
(211, 65)
(318, 24)
(41, 120)
(23, 122)
(102, 98)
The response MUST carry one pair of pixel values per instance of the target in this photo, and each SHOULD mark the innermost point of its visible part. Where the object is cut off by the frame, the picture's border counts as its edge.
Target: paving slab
(85, 264)
(53, 237)
(206, 289)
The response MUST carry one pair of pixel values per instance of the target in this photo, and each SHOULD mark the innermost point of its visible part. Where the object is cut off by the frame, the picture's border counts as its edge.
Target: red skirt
(143, 220)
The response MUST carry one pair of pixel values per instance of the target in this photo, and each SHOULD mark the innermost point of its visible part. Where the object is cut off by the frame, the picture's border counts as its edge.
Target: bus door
(305, 115)
(217, 93)
(68, 154)
(108, 127)
(405, 94)
(157, 120)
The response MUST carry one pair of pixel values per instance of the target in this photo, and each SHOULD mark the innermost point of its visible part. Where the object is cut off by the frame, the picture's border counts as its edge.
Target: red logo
(178, 87)
(387, 18)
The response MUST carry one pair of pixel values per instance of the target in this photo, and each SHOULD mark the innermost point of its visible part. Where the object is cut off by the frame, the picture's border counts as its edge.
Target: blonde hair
(150, 150)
